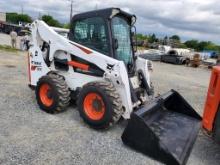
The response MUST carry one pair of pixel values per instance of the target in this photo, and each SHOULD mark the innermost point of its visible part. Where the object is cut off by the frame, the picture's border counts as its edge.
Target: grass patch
(8, 48)
(141, 48)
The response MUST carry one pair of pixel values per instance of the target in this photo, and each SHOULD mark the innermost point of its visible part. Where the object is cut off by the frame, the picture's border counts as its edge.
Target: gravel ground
(30, 136)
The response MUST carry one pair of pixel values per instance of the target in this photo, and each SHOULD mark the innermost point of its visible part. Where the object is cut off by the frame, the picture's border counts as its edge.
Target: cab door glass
(92, 33)
(122, 34)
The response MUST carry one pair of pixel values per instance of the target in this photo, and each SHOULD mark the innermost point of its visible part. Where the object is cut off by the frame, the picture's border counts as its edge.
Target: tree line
(176, 40)
(16, 18)
(152, 38)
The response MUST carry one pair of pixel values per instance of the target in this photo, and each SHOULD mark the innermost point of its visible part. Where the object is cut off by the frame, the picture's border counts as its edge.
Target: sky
(190, 19)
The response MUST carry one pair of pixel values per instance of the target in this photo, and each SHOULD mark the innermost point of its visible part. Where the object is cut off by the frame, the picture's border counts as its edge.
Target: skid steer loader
(96, 66)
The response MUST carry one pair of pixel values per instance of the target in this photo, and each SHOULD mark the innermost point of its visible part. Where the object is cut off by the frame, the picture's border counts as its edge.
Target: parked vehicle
(8, 27)
(152, 54)
(173, 58)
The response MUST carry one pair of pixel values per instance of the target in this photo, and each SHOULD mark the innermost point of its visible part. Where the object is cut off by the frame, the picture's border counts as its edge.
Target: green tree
(66, 26)
(193, 44)
(175, 37)
(141, 37)
(16, 18)
(202, 45)
(212, 46)
(152, 38)
(182, 45)
(51, 21)
(175, 41)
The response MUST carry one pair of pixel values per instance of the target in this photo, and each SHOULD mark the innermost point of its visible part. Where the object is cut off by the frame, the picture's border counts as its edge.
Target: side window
(92, 33)
(80, 31)
(121, 32)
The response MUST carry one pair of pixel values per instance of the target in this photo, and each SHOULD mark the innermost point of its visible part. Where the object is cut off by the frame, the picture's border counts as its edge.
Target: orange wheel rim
(94, 106)
(45, 91)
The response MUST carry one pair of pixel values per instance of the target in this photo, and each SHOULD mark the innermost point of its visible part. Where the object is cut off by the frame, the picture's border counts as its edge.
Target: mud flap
(164, 129)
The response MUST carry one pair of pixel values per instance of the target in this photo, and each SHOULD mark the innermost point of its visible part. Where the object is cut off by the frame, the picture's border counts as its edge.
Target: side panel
(212, 100)
(119, 77)
(38, 67)
(141, 64)
(74, 79)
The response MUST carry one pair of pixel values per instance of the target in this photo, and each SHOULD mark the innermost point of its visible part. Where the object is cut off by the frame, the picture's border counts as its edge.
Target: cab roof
(107, 13)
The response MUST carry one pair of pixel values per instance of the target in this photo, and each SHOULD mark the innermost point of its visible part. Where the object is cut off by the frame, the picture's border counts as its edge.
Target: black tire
(112, 103)
(60, 93)
(216, 129)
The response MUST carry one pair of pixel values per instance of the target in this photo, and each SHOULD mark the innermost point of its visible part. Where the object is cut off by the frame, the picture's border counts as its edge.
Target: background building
(2, 17)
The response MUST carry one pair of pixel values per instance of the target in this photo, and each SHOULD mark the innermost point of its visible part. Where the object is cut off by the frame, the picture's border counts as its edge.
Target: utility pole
(71, 9)
(22, 9)
(96, 6)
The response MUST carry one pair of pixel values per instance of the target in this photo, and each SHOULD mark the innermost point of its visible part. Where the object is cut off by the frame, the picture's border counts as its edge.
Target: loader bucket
(165, 129)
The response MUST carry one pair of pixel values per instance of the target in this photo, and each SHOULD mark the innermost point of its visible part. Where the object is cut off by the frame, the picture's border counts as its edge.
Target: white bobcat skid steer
(97, 67)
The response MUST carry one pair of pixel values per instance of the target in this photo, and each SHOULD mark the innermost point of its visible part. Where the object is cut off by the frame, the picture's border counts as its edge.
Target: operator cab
(107, 31)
